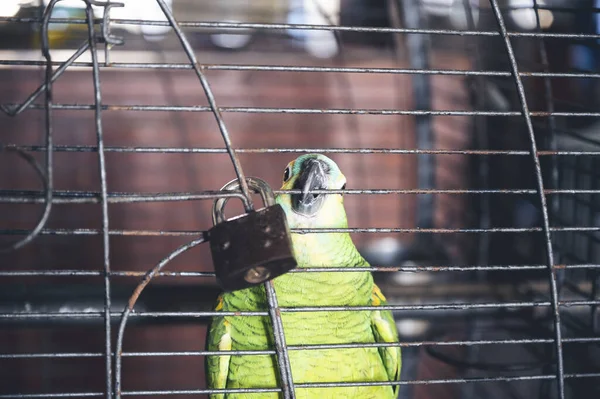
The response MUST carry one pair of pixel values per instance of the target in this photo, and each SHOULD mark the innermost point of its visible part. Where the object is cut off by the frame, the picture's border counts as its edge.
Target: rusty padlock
(252, 248)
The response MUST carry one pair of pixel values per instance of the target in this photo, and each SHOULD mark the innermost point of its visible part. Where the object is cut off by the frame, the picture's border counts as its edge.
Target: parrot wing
(384, 330)
(218, 339)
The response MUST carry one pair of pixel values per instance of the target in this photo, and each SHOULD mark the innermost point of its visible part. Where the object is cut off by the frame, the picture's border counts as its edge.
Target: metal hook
(108, 37)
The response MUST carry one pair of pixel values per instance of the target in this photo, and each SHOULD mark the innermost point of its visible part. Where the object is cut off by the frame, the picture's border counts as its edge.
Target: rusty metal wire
(560, 274)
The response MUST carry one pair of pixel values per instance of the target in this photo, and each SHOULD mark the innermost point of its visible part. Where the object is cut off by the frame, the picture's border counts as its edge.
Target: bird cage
(467, 131)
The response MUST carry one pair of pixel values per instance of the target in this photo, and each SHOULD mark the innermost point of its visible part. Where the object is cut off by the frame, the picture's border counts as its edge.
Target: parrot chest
(305, 328)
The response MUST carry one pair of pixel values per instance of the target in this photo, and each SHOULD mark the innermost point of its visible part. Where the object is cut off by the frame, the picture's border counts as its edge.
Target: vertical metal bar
(540, 187)
(418, 57)
(103, 196)
(211, 101)
(283, 359)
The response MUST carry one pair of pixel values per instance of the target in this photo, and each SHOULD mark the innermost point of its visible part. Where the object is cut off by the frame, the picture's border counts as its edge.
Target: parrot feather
(218, 366)
(384, 329)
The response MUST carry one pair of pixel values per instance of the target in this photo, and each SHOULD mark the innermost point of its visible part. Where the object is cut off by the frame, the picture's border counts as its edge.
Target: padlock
(250, 249)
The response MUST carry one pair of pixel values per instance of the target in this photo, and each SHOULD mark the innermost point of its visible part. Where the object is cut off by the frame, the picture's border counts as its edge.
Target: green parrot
(307, 210)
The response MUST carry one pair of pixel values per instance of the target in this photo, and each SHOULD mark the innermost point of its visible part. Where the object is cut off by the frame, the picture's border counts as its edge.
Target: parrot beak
(312, 177)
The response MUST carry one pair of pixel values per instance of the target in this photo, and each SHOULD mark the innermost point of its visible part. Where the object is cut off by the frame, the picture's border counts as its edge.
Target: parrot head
(313, 210)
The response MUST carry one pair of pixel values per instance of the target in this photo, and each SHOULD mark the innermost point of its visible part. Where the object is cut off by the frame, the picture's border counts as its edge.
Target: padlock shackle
(254, 183)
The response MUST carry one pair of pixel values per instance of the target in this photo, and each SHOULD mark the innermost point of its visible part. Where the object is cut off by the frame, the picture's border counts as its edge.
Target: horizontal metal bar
(282, 26)
(82, 304)
(576, 9)
(83, 273)
(92, 197)
(305, 269)
(372, 230)
(50, 355)
(205, 150)
(445, 306)
(51, 395)
(308, 385)
(302, 347)
(296, 111)
(296, 68)
(364, 384)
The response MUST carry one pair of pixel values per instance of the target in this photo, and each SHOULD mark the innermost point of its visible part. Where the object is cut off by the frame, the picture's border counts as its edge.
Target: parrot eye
(286, 174)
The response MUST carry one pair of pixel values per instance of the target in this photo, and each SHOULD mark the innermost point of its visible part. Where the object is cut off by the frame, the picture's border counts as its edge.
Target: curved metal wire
(560, 373)
(48, 176)
(47, 199)
(555, 201)
(133, 299)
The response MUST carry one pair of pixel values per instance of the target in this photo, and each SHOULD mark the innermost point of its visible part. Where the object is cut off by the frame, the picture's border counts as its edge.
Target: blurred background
(456, 186)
